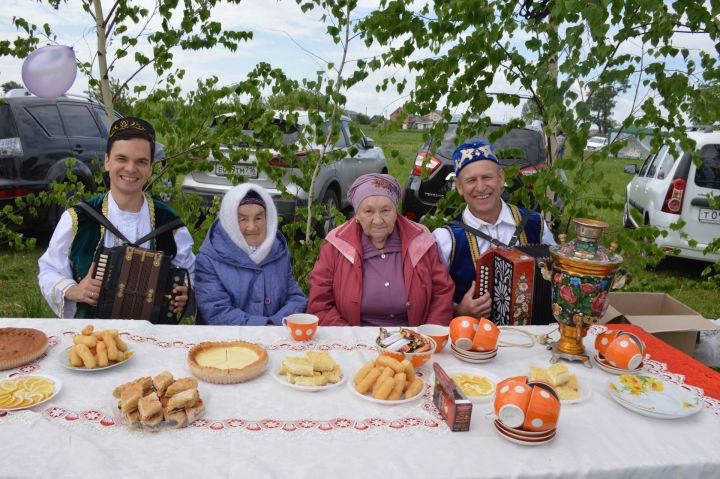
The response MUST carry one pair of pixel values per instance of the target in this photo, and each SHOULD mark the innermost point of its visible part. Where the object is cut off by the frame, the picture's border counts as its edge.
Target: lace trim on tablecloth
(433, 422)
(34, 366)
(282, 345)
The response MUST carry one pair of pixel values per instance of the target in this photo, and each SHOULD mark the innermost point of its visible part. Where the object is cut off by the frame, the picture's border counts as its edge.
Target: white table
(264, 429)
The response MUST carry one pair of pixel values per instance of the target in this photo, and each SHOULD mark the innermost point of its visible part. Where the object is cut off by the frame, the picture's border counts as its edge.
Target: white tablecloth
(264, 429)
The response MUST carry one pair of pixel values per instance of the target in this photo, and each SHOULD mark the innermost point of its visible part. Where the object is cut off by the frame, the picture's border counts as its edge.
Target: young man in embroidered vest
(479, 178)
(67, 267)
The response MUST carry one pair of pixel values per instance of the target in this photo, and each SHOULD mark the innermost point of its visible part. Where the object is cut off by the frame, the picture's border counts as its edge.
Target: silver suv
(333, 181)
(670, 187)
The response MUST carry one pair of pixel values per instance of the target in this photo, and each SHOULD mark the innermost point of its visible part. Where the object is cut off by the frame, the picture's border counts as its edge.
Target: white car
(669, 187)
(596, 143)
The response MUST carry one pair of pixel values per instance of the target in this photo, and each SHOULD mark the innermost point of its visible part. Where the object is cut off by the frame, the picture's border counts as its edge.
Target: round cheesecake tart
(19, 346)
(227, 362)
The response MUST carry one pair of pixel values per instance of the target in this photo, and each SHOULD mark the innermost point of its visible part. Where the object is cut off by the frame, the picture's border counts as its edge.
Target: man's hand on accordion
(475, 307)
(87, 290)
(181, 298)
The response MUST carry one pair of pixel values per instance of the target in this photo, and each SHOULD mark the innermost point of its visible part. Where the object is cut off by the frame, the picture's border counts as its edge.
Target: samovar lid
(585, 247)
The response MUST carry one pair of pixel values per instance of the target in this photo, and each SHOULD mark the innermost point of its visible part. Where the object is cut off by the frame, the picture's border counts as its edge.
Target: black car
(524, 147)
(37, 136)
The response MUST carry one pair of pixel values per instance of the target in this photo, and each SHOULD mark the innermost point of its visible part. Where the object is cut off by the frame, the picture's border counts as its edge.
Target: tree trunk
(102, 63)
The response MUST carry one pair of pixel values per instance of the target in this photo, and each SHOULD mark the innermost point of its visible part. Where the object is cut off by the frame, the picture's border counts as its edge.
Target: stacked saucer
(522, 437)
(476, 357)
(608, 368)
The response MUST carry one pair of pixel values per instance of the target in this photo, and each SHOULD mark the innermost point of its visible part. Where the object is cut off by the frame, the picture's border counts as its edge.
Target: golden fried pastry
(181, 385)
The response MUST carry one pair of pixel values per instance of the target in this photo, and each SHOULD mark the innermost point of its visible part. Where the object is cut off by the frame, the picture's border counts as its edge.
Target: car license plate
(709, 216)
(248, 171)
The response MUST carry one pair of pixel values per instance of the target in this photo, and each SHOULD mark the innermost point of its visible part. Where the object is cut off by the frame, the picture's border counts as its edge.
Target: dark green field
(680, 278)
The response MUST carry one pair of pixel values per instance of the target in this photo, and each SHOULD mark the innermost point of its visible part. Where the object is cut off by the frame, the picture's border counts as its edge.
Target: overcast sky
(284, 36)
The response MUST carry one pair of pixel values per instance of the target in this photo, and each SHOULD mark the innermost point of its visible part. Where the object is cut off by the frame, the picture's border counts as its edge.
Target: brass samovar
(582, 274)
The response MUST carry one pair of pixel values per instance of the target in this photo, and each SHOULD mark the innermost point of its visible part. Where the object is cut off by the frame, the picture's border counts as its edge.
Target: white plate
(613, 370)
(476, 372)
(672, 402)
(585, 391)
(65, 361)
(283, 380)
(521, 442)
(57, 388)
(385, 402)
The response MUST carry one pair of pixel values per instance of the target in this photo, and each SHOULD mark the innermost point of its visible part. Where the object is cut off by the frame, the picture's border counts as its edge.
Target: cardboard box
(660, 315)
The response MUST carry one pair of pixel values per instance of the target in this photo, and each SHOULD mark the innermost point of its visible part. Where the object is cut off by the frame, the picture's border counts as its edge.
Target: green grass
(679, 278)
(400, 147)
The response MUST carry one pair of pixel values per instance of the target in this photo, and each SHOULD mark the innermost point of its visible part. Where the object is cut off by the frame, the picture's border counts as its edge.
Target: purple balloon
(49, 71)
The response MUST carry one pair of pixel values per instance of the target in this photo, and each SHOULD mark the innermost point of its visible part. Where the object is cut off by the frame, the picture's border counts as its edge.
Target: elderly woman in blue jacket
(242, 272)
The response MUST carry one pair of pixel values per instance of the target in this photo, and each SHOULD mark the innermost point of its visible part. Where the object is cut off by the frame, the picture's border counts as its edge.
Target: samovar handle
(621, 277)
(545, 270)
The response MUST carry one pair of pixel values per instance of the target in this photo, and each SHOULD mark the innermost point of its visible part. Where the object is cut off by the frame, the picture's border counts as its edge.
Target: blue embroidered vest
(465, 252)
(89, 236)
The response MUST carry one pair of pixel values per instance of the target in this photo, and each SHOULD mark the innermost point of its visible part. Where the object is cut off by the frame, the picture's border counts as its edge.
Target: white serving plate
(56, 389)
(65, 361)
(385, 402)
(673, 402)
(476, 372)
(585, 391)
(283, 380)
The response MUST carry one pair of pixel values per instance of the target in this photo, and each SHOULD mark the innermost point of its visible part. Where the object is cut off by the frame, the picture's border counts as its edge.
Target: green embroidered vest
(89, 236)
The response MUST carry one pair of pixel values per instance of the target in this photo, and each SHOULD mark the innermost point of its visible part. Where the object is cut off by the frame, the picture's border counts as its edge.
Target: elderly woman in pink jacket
(379, 268)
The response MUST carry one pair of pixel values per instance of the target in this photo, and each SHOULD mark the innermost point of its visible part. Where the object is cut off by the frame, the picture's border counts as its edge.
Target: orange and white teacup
(438, 332)
(302, 326)
(543, 409)
(603, 340)
(462, 331)
(511, 402)
(486, 336)
(625, 352)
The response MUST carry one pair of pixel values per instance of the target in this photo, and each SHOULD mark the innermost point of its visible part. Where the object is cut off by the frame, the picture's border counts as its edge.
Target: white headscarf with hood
(228, 216)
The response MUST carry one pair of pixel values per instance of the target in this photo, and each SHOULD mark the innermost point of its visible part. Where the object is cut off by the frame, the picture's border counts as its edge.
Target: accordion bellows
(136, 284)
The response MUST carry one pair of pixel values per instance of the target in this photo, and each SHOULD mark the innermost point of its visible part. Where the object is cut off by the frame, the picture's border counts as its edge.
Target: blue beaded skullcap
(473, 151)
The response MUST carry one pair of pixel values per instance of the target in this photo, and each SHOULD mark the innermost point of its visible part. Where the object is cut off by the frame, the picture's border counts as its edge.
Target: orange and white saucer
(615, 370)
(524, 438)
(472, 356)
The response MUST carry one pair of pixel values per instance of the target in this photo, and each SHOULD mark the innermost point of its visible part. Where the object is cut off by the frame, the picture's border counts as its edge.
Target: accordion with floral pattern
(520, 295)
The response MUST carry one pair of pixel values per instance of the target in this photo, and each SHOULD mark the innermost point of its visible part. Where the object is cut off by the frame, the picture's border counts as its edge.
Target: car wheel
(327, 223)
(627, 222)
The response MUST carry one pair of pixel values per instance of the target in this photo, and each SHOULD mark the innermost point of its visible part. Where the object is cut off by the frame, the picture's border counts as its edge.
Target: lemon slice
(474, 385)
(7, 386)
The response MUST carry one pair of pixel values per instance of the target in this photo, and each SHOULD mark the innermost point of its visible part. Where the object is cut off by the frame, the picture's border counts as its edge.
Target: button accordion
(520, 295)
(137, 284)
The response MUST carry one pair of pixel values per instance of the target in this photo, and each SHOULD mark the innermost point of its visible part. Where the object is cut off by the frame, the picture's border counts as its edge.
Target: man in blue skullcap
(479, 178)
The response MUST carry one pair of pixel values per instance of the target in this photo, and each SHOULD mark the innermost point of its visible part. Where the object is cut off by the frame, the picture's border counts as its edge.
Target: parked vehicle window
(708, 175)
(668, 162)
(79, 121)
(644, 167)
(652, 169)
(7, 124)
(342, 141)
(48, 118)
(517, 144)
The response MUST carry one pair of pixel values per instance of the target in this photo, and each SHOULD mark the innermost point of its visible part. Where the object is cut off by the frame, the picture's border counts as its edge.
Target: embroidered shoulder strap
(102, 219)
